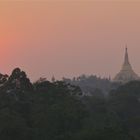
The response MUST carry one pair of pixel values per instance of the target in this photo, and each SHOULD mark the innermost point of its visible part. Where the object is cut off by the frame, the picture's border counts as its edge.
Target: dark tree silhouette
(57, 110)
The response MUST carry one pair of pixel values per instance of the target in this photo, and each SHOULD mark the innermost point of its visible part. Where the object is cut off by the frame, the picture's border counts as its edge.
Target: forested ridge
(57, 110)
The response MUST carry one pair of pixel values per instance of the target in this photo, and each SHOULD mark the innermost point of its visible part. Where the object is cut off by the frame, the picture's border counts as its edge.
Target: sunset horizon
(67, 39)
(69, 70)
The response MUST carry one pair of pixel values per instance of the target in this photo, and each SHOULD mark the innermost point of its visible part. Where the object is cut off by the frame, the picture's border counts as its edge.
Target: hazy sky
(69, 38)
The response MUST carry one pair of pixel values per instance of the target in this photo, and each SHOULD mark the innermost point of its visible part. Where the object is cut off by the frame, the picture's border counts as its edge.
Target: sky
(68, 38)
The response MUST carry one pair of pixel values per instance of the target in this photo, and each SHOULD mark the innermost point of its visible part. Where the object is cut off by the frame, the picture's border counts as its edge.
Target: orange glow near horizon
(68, 38)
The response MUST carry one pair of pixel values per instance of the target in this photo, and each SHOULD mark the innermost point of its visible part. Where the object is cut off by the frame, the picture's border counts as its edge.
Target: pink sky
(68, 38)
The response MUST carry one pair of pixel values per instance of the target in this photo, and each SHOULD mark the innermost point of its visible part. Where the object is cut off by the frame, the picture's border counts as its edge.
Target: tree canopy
(58, 110)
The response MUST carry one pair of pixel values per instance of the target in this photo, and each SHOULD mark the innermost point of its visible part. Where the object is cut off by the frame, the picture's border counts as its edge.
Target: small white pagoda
(126, 74)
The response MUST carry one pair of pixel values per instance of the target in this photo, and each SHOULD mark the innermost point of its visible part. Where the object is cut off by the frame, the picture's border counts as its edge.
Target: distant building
(126, 74)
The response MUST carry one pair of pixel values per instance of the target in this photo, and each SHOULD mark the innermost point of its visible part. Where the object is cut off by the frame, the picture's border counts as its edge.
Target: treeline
(56, 110)
(92, 84)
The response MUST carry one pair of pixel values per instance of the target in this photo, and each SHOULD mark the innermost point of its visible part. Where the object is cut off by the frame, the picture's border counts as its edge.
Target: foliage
(89, 84)
(58, 110)
(42, 111)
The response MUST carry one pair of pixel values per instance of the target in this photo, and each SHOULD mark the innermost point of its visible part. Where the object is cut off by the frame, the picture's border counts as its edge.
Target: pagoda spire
(126, 59)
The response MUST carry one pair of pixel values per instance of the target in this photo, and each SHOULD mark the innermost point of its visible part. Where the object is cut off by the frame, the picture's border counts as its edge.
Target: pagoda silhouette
(126, 74)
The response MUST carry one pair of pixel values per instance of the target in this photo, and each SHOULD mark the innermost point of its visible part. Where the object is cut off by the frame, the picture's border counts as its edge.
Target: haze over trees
(58, 110)
(90, 85)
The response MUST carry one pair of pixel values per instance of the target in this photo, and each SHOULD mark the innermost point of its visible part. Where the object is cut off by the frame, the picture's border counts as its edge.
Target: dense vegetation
(91, 84)
(58, 111)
